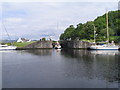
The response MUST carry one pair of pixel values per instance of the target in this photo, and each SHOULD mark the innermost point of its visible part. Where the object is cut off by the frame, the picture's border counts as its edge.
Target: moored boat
(108, 46)
(104, 47)
(6, 47)
(57, 46)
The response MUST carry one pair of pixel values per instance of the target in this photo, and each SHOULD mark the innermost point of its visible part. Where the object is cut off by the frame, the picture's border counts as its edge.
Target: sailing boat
(57, 46)
(108, 46)
(6, 47)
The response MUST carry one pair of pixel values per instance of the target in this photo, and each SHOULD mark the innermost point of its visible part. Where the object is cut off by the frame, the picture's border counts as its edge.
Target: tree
(43, 39)
(67, 33)
(86, 30)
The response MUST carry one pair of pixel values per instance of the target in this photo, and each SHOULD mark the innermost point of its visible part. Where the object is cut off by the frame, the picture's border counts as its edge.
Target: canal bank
(38, 45)
(50, 45)
(73, 44)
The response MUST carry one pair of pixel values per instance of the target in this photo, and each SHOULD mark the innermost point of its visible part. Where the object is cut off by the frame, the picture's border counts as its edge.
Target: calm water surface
(60, 69)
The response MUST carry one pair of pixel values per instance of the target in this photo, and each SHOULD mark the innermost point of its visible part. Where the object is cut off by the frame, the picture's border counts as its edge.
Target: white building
(23, 40)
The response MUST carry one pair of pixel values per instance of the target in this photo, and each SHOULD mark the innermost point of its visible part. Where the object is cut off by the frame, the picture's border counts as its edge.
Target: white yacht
(6, 47)
(104, 47)
(57, 46)
(108, 46)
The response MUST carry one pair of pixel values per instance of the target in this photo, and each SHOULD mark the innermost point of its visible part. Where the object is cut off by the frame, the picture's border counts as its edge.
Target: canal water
(48, 68)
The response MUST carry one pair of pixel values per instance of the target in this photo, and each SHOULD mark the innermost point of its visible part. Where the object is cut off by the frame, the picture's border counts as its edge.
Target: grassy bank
(21, 44)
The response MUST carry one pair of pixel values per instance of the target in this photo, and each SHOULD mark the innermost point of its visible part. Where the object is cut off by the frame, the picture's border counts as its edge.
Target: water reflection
(105, 52)
(40, 52)
(92, 64)
(48, 68)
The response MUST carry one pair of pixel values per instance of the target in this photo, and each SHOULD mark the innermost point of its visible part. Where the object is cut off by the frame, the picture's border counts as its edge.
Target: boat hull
(57, 47)
(104, 47)
(8, 48)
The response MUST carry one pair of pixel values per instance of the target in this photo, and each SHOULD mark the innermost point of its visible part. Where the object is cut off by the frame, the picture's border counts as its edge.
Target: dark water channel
(47, 68)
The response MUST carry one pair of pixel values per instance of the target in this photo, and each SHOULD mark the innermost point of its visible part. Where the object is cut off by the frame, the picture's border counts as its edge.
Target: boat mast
(107, 26)
(6, 31)
(94, 34)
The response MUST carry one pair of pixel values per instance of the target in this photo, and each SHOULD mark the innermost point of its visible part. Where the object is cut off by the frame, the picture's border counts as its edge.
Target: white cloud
(34, 20)
(13, 20)
(59, 0)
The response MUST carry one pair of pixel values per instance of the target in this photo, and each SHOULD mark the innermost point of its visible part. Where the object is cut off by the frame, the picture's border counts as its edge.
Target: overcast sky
(34, 20)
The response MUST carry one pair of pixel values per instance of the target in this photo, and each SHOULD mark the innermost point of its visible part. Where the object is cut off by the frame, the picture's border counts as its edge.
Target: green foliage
(22, 44)
(9, 44)
(86, 31)
(115, 38)
(67, 33)
(43, 39)
(2, 43)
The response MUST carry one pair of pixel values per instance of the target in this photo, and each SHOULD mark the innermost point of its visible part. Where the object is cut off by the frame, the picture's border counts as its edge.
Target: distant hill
(7, 41)
(86, 31)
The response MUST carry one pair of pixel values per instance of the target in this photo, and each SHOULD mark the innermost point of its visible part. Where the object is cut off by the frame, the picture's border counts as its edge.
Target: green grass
(87, 40)
(22, 44)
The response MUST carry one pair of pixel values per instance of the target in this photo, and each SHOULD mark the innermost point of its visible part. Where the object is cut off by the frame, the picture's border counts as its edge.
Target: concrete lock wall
(39, 44)
(75, 44)
(64, 44)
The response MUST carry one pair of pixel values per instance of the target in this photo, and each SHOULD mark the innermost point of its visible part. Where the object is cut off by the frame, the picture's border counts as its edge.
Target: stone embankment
(64, 44)
(38, 45)
(75, 44)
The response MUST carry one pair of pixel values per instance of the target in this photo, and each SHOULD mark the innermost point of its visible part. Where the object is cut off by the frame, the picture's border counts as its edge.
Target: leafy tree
(86, 30)
(43, 39)
(67, 33)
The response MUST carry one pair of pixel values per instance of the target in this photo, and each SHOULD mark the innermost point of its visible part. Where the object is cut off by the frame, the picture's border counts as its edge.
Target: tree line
(86, 31)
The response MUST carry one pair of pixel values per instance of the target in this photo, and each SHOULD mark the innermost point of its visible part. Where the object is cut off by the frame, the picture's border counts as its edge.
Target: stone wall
(39, 45)
(75, 44)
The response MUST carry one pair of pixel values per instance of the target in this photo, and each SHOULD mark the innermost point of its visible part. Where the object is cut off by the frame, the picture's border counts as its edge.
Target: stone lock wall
(75, 44)
(39, 45)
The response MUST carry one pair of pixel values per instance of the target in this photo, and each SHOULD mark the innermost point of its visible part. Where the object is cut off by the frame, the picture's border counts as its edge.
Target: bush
(115, 38)
(43, 39)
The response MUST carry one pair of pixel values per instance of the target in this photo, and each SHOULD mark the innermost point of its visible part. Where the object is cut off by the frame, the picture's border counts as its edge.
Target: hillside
(86, 31)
